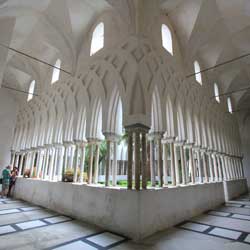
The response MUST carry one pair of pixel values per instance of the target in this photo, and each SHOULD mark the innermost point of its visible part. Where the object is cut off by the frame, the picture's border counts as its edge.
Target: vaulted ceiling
(211, 31)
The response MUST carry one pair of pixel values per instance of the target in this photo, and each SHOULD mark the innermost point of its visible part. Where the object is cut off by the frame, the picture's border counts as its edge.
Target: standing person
(14, 174)
(6, 181)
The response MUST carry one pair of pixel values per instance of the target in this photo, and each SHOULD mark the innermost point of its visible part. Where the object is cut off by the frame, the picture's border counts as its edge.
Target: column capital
(137, 127)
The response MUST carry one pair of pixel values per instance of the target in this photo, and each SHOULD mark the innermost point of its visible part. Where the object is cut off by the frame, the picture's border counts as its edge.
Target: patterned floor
(24, 226)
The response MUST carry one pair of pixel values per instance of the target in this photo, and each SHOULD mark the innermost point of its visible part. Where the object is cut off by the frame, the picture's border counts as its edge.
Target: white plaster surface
(234, 188)
(130, 213)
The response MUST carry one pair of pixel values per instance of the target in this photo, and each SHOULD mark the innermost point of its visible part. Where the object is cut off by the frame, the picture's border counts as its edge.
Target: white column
(96, 171)
(165, 163)
(152, 163)
(172, 157)
(204, 160)
(183, 166)
(177, 173)
(199, 165)
(191, 160)
(160, 166)
(114, 167)
(215, 168)
(55, 163)
(51, 165)
(21, 164)
(72, 153)
(60, 163)
(82, 163)
(39, 163)
(219, 167)
(91, 155)
(77, 152)
(210, 162)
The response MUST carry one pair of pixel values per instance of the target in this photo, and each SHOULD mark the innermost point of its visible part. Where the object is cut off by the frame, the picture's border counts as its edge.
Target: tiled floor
(24, 226)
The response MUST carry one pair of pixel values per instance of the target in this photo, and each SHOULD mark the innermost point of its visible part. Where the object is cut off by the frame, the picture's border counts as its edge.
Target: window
(216, 92)
(97, 42)
(229, 105)
(56, 72)
(167, 41)
(31, 91)
(197, 70)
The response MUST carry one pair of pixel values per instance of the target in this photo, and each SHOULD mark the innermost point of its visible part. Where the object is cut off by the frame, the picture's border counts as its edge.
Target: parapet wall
(235, 188)
(131, 213)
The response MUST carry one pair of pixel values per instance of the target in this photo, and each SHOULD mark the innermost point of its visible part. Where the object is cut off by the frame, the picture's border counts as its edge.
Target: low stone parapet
(135, 214)
(235, 188)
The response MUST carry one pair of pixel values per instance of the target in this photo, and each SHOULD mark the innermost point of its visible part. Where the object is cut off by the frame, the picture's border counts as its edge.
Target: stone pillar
(215, 168)
(65, 158)
(16, 159)
(219, 167)
(210, 162)
(172, 157)
(107, 174)
(183, 166)
(144, 160)
(114, 166)
(223, 167)
(55, 163)
(33, 157)
(204, 160)
(77, 152)
(96, 170)
(165, 163)
(51, 163)
(137, 160)
(160, 167)
(82, 162)
(177, 172)
(130, 159)
(152, 163)
(60, 164)
(191, 160)
(91, 156)
(199, 165)
(12, 160)
(39, 163)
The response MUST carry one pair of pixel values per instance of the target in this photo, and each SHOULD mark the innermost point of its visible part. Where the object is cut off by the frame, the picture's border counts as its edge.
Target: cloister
(125, 114)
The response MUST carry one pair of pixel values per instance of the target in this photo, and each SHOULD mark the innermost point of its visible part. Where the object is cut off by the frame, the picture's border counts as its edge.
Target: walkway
(25, 227)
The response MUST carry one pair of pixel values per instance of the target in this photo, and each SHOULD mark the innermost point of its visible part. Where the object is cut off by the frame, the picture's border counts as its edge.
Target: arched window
(97, 42)
(197, 70)
(31, 91)
(216, 92)
(167, 41)
(56, 71)
(229, 105)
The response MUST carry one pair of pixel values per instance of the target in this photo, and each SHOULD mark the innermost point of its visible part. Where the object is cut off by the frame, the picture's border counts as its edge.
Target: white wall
(8, 113)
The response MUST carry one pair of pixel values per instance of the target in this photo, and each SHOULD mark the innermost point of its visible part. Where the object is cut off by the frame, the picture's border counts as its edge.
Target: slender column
(130, 159)
(191, 160)
(77, 152)
(61, 162)
(199, 165)
(186, 165)
(215, 168)
(229, 168)
(51, 164)
(91, 155)
(114, 167)
(205, 166)
(144, 160)
(160, 167)
(39, 163)
(137, 160)
(16, 160)
(177, 172)
(223, 167)
(96, 170)
(55, 163)
(12, 161)
(152, 163)
(183, 166)
(165, 163)
(107, 174)
(219, 167)
(33, 156)
(45, 163)
(82, 163)
(233, 167)
(210, 162)
(65, 159)
(172, 156)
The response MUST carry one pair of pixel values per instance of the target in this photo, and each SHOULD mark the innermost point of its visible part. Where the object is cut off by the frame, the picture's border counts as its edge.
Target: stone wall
(235, 188)
(131, 213)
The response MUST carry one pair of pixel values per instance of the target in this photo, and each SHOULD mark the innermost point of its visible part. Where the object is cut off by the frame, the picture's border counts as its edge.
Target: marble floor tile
(105, 239)
(233, 205)
(195, 226)
(239, 216)
(29, 208)
(57, 219)
(31, 224)
(78, 245)
(6, 229)
(9, 211)
(219, 213)
(225, 233)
